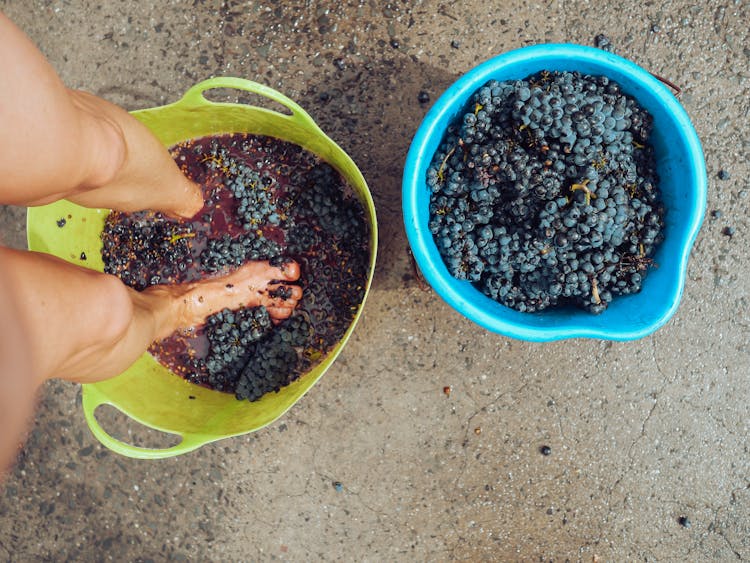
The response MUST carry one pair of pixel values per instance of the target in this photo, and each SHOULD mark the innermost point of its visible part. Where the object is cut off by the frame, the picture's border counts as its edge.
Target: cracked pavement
(641, 433)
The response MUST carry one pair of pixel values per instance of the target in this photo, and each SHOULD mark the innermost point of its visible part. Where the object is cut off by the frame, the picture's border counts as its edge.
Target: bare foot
(129, 168)
(252, 285)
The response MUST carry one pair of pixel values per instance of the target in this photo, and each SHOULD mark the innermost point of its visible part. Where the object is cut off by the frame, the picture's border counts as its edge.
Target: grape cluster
(274, 360)
(341, 231)
(324, 200)
(229, 337)
(253, 193)
(226, 251)
(249, 357)
(301, 238)
(544, 192)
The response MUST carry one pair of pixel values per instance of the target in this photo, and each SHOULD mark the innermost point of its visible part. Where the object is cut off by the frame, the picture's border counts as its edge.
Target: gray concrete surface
(641, 433)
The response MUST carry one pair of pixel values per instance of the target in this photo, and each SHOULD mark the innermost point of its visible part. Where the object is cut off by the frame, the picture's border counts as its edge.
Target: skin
(60, 320)
(16, 387)
(95, 153)
(117, 322)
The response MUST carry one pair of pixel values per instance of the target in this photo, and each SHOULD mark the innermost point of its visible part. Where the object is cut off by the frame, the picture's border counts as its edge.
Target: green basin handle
(194, 97)
(92, 400)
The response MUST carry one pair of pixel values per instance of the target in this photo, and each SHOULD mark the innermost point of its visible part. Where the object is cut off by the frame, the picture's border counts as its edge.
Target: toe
(288, 271)
(280, 313)
(280, 302)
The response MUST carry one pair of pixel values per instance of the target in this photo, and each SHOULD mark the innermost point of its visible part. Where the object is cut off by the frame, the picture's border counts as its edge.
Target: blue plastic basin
(683, 183)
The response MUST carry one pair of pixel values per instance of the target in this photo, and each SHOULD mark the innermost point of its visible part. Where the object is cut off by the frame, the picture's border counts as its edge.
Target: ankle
(166, 305)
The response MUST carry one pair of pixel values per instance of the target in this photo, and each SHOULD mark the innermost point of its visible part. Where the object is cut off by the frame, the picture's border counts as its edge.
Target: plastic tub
(148, 392)
(680, 165)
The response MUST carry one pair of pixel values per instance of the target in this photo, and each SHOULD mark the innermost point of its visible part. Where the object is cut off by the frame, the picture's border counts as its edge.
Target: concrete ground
(642, 433)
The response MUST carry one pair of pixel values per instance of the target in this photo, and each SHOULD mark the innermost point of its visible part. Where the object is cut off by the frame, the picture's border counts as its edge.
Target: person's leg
(89, 326)
(58, 143)
(16, 385)
(71, 322)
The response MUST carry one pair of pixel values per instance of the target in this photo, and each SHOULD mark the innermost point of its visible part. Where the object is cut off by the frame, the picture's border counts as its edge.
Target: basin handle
(92, 399)
(195, 97)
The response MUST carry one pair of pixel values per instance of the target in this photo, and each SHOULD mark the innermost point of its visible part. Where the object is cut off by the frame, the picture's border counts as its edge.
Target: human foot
(129, 170)
(252, 285)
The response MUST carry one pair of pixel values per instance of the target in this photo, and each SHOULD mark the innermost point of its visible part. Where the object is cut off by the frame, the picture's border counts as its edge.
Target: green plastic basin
(148, 392)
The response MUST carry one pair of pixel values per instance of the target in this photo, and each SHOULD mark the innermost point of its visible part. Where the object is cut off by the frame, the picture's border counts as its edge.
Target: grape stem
(584, 186)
